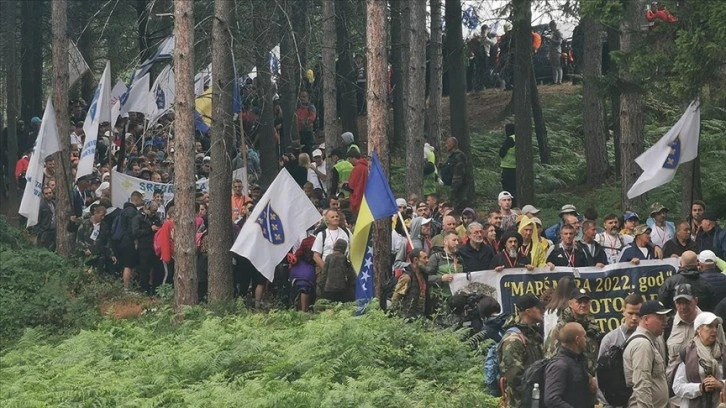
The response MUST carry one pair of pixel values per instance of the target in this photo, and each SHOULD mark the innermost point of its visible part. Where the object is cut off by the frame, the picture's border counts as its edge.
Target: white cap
(505, 194)
(426, 221)
(530, 209)
(400, 202)
(102, 187)
(705, 318)
(707, 256)
(317, 152)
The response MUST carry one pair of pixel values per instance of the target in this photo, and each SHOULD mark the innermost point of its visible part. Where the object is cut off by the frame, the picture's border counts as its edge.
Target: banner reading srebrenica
(122, 185)
(608, 286)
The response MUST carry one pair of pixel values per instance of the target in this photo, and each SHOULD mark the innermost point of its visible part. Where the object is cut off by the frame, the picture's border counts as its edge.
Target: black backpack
(611, 374)
(534, 374)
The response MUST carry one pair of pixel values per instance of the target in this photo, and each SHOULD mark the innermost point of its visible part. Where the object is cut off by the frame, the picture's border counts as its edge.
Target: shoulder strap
(635, 336)
(517, 332)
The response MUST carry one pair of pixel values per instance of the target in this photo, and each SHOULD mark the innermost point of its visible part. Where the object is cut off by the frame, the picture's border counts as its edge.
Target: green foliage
(38, 288)
(280, 359)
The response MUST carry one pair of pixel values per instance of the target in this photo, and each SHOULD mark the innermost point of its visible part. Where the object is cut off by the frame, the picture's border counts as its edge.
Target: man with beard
(409, 296)
(567, 253)
(680, 243)
(640, 248)
(475, 255)
(511, 257)
(441, 268)
(448, 225)
(712, 236)
(698, 207)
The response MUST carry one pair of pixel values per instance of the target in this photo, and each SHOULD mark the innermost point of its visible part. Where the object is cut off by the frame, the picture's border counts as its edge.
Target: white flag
(118, 91)
(46, 144)
(283, 214)
(162, 94)
(201, 79)
(77, 65)
(98, 112)
(678, 145)
(136, 99)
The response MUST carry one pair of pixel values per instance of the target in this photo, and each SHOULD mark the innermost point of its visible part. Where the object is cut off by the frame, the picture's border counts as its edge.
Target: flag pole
(403, 223)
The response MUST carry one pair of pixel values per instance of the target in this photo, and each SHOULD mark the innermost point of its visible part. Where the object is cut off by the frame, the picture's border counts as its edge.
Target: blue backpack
(117, 228)
(492, 375)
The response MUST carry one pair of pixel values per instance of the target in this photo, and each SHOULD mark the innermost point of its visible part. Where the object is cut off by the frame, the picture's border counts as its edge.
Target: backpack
(492, 375)
(446, 172)
(534, 375)
(390, 285)
(611, 374)
(117, 228)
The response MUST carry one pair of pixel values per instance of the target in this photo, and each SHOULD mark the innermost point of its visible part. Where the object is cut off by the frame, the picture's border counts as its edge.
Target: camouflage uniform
(100, 245)
(409, 296)
(594, 335)
(515, 356)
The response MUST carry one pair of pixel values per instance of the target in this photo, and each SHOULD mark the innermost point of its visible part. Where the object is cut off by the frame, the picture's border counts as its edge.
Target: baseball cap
(400, 202)
(421, 205)
(706, 318)
(529, 301)
(657, 207)
(505, 194)
(683, 291)
(707, 256)
(629, 215)
(580, 294)
(317, 153)
(536, 221)
(641, 229)
(653, 307)
(530, 209)
(568, 208)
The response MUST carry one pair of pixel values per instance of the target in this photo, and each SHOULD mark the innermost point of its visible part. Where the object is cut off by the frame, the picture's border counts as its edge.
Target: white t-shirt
(660, 235)
(326, 248)
(613, 245)
(313, 177)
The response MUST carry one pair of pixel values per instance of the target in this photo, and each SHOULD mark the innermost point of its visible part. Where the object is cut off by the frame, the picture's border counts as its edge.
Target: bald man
(687, 273)
(568, 382)
(448, 224)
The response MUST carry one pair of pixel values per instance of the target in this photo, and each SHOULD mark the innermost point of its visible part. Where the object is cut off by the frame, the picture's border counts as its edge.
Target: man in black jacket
(568, 382)
(475, 255)
(125, 247)
(567, 253)
(687, 273)
(594, 252)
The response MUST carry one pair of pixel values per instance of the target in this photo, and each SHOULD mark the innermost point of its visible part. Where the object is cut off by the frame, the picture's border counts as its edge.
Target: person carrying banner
(662, 230)
(533, 245)
(681, 242)
(567, 254)
(640, 248)
(594, 253)
(511, 256)
(611, 240)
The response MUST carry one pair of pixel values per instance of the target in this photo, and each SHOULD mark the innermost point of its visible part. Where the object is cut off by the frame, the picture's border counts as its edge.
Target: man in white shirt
(318, 174)
(611, 240)
(325, 240)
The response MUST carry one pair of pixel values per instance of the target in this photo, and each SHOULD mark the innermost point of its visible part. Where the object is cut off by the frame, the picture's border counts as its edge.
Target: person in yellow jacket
(532, 243)
(508, 162)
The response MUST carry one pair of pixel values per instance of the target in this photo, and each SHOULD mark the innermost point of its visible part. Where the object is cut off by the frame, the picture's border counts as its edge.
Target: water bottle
(535, 395)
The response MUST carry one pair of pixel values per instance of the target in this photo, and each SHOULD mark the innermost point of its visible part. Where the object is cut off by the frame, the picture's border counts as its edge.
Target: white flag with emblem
(98, 112)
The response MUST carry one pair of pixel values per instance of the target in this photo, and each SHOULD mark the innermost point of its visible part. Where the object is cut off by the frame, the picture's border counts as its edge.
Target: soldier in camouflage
(93, 240)
(520, 347)
(578, 311)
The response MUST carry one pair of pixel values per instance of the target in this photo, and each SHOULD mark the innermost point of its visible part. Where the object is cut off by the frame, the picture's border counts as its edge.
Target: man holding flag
(377, 203)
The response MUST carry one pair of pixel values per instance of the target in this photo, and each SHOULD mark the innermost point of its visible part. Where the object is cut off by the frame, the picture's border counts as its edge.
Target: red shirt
(357, 182)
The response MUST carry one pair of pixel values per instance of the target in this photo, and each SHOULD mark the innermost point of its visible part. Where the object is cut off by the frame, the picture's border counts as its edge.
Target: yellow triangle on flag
(204, 106)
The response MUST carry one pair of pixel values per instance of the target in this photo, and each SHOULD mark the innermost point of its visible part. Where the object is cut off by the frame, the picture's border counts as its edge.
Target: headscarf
(538, 252)
(709, 357)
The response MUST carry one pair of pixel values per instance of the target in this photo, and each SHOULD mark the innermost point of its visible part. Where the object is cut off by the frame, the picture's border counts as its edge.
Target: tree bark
(522, 16)
(31, 51)
(64, 242)
(415, 96)
(376, 94)
(631, 104)
(614, 94)
(593, 114)
(540, 128)
(222, 138)
(330, 91)
(185, 255)
(291, 69)
(141, 21)
(266, 132)
(433, 116)
(348, 104)
(399, 54)
(10, 12)
(457, 86)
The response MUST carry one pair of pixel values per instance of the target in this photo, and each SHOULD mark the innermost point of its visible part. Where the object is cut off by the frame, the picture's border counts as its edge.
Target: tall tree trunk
(457, 86)
(593, 115)
(377, 61)
(433, 116)
(290, 71)
(540, 128)
(185, 255)
(31, 51)
(522, 16)
(691, 185)
(266, 132)
(399, 52)
(10, 23)
(141, 22)
(348, 106)
(614, 94)
(64, 241)
(631, 104)
(330, 90)
(222, 138)
(415, 95)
